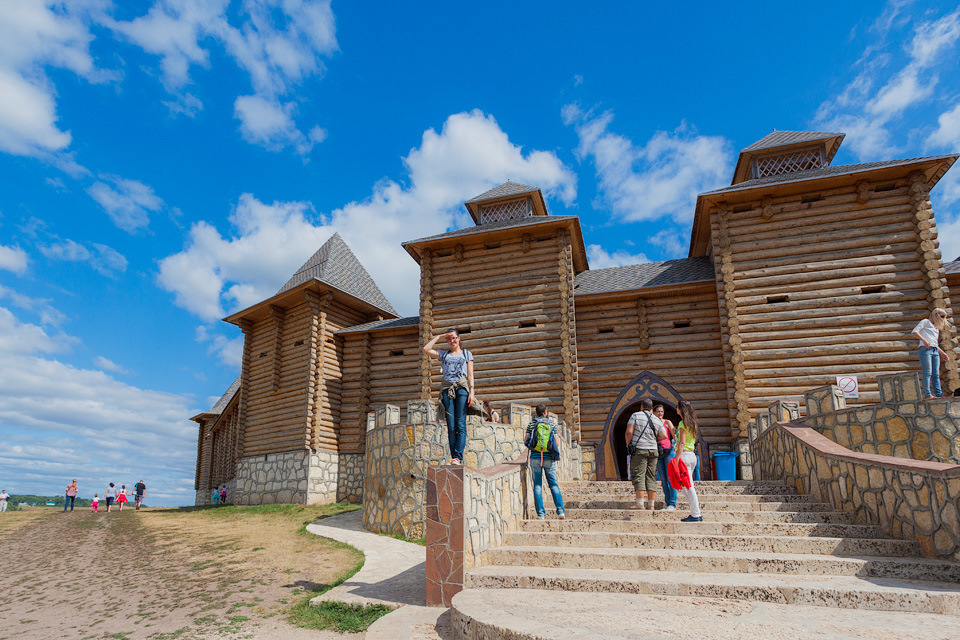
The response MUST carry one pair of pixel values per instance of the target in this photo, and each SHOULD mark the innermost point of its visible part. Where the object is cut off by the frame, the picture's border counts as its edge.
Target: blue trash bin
(725, 465)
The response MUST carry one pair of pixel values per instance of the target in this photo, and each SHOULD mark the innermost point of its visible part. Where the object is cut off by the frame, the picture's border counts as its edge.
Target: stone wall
(468, 513)
(298, 477)
(900, 425)
(323, 477)
(909, 499)
(350, 478)
(203, 496)
(398, 455)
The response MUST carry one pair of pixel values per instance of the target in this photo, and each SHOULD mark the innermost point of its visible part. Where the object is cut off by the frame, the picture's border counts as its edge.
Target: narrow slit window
(809, 199)
(681, 324)
(492, 245)
(463, 330)
(875, 289)
(298, 343)
(884, 187)
(396, 352)
(777, 299)
(742, 208)
(605, 330)
(444, 254)
(263, 354)
(528, 324)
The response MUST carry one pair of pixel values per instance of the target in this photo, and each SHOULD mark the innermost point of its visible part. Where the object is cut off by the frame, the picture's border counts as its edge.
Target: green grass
(420, 541)
(336, 616)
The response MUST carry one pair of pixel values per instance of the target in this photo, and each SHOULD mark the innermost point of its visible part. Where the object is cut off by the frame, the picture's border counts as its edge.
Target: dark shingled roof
(822, 172)
(393, 323)
(952, 267)
(335, 265)
(502, 191)
(490, 226)
(644, 275)
(781, 138)
(226, 397)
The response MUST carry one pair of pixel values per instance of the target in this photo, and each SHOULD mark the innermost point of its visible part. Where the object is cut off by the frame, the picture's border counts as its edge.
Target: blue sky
(166, 162)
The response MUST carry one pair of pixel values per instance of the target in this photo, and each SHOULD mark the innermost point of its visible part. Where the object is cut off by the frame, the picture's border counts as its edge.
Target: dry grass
(10, 521)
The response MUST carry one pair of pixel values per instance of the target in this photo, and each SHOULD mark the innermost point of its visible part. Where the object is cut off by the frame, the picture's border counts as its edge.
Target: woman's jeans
(930, 366)
(69, 500)
(669, 493)
(456, 411)
(548, 469)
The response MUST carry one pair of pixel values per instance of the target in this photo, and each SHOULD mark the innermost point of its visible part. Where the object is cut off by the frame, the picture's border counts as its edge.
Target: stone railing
(469, 512)
(900, 425)
(399, 454)
(908, 499)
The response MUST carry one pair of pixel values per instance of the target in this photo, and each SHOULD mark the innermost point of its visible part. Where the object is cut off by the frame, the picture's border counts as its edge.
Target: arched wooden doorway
(611, 454)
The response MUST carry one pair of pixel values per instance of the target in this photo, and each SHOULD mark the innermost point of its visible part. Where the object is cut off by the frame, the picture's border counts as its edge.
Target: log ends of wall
(740, 414)
(246, 326)
(931, 268)
(567, 345)
(318, 303)
(426, 321)
(643, 329)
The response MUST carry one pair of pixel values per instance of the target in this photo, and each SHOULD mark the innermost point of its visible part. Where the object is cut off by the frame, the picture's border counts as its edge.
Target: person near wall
(666, 453)
(928, 332)
(456, 389)
(541, 439)
(687, 433)
(71, 495)
(643, 431)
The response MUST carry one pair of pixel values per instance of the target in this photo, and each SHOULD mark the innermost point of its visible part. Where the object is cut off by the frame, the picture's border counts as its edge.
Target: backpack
(541, 436)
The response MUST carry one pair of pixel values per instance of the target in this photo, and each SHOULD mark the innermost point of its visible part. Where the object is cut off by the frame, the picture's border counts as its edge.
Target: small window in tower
(396, 352)
(681, 324)
(811, 198)
(875, 289)
(605, 330)
(298, 343)
(742, 208)
(463, 330)
(444, 254)
(492, 245)
(528, 324)
(777, 299)
(884, 187)
(263, 354)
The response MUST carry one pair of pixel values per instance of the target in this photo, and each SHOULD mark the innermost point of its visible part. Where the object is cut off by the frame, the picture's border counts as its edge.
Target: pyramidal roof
(335, 265)
(503, 190)
(781, 138)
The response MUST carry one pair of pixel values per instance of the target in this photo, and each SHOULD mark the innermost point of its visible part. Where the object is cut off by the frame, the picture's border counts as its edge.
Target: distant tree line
(41, 501)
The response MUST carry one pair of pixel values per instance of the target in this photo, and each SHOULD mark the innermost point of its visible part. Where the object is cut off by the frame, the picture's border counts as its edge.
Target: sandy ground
(160, 574)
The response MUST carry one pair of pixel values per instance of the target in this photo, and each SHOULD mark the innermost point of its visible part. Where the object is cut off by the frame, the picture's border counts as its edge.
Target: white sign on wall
(849, 386)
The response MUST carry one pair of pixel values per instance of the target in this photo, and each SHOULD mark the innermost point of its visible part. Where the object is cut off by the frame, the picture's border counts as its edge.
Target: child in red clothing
(95, 503)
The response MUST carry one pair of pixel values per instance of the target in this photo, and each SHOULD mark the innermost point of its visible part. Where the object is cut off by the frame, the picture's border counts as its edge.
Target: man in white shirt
(4, 498)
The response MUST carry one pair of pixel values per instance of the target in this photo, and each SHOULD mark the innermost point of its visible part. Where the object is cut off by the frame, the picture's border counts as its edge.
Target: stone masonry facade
(350, 478)
(305, 477)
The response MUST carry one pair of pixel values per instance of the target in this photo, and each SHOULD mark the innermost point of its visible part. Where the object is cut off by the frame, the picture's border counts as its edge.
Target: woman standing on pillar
(687, 432)
(928, 332)
(456, 389)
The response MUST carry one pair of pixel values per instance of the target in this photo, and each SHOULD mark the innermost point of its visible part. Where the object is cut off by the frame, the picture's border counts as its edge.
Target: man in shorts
(139, 490)
(643, 431)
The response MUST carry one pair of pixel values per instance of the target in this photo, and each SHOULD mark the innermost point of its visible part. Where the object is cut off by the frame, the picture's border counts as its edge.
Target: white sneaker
(670, 507)
(541, 517)
(562, 515)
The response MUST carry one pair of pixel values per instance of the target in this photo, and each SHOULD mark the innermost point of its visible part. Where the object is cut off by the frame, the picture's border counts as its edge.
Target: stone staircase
(759, 542)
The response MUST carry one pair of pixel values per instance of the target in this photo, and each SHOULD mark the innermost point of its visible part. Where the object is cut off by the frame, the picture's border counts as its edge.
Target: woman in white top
(928, 332)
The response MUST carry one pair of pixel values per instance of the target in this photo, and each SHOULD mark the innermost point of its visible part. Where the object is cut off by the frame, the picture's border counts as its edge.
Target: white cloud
(658, 179)
(41, 306)
(13, 259)
(34, 35)
(228, 351)
(127, 202)
(948, 235)
(600, 259)
(672, 242)
(468, 156)
(279, 43)
(105, 260)
(879, 96)
(21, 337)
(109, 365)
(947, 133)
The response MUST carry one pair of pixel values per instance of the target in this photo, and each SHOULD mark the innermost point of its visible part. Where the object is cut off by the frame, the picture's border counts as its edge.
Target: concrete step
(736, 528)
(629, 496)
(691, 541)
(633, 559)
(831, 517)
(705, 488)
(838, 592)
(707, 503)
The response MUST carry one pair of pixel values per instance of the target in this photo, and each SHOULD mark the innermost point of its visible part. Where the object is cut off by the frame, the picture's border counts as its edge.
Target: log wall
(513, 302)
(619, 338)
(378, 368)
(821, 284)
(292, 376)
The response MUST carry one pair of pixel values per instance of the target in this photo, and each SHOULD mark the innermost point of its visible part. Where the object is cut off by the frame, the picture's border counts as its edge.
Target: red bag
(678, 473)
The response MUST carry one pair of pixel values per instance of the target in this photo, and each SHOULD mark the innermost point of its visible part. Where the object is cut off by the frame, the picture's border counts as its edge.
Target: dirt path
(86, 575)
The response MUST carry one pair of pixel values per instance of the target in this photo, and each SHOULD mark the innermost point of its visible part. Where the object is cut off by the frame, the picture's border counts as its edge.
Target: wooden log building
(797, 272)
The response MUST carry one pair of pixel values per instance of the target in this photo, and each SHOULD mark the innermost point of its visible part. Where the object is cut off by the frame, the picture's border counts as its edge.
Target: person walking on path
(687, 432)
(122, 497)
(544, 454)
(139, 489)
(95, 503)
(928, 332)
(110, 495)
(456, 389)
(71, 495)
(223, 494)
(4, 499)
(643, 431)
(666, 453)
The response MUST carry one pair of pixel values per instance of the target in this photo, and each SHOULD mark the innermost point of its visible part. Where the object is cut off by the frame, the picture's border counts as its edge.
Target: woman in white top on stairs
(928, 332)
